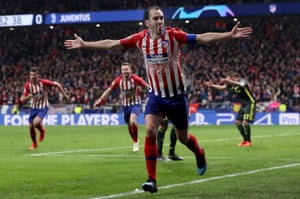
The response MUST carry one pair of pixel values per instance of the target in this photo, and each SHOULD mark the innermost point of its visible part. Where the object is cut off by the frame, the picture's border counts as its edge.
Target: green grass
(83, 162)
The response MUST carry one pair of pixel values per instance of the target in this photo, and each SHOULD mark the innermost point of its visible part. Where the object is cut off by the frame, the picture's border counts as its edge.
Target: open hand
(74, 43)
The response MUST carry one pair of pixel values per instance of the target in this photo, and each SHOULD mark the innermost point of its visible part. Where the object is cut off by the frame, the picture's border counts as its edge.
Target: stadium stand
(270, 59)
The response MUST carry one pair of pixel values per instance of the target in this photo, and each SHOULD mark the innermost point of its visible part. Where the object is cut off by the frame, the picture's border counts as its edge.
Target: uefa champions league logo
(222, 11)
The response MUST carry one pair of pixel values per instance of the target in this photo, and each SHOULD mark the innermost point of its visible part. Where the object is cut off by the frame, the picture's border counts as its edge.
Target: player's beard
(159, 29)
(34, 80)
(126, 76)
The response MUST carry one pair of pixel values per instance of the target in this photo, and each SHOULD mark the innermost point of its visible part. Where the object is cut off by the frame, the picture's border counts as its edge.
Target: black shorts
(247, 113)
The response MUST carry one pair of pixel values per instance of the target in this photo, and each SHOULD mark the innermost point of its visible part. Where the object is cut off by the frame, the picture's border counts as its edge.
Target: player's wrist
(100, 102)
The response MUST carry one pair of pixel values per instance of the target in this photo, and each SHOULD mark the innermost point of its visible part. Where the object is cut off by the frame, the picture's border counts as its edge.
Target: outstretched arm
(215, 86)
(102, 98)
(233, 81)
(62, 91)
(236, 32)
(78, 42)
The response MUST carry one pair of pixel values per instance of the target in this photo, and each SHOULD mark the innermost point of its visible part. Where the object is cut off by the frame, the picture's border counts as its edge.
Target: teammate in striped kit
(36, 90)
(160, 47)
(130, 86)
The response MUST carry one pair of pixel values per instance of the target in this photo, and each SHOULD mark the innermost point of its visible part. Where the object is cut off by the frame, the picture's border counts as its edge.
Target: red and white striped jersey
(130, 89)
(161, 57)
(39, 92)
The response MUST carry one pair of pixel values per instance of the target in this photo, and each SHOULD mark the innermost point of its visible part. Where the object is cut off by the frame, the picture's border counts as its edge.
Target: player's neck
(155, 35)
(34, 81)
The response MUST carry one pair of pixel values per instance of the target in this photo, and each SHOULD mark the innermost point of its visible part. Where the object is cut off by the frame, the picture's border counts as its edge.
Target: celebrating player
(36, 90)
(160, 47)
(130, 86)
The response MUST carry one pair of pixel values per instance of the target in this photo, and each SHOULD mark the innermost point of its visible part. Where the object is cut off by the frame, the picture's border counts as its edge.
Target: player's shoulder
(135, 36)
(47, 82)
(173, 29)
(141, 33)
(134, 76)
(27, 84)
(144, 31)
(44, 80)
(117, 79)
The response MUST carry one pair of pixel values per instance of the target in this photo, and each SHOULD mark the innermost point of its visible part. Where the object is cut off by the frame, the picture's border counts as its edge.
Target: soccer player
(160, 47)
(246, 114)
(160, 141)
(130, 86)
(36, 90)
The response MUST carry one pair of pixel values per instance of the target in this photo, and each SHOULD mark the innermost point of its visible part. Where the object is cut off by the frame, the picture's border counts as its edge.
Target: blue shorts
(136, 108)
(41, 113)
(175, 108)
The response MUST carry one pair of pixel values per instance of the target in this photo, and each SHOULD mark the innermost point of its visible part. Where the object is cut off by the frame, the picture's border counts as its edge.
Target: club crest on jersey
(165, 43)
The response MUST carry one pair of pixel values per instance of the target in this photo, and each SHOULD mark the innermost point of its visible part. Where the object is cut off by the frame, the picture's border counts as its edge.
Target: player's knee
(237, 122)
(150, 131)
(162, 129)
(182, 137)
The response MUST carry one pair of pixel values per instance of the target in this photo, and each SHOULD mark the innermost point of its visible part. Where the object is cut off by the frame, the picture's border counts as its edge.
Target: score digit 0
(39, 19)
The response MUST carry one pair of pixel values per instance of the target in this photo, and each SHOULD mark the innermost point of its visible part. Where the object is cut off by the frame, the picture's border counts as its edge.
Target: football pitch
(97, 162)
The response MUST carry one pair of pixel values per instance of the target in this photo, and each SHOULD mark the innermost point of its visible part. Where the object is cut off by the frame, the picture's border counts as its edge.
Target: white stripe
(149, 70)
(151, 75)
(160, 70)
(159, 73)
(159, 46)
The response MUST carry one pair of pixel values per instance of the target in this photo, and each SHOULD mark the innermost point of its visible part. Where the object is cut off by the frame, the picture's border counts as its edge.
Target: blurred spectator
(45, 6)
(270, 61)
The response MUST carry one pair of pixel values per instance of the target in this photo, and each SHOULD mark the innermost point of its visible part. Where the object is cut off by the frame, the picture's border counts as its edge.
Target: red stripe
(180, 77)
(155, 46)
(172, 72)
(164, 72)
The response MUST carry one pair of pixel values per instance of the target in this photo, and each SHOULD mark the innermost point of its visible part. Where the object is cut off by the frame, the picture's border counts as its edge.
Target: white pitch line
(79, 151)
(257, 136)
(203, 180)
(126, 147)
(116, 155)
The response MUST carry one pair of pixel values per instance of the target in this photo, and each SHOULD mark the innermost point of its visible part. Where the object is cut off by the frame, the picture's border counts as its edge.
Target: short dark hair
(146, 14)
(232, 74)
(126, 63)
(34, 69)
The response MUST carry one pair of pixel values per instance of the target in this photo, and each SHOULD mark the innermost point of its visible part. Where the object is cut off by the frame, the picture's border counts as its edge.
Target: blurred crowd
(269, 60)
(50, 6)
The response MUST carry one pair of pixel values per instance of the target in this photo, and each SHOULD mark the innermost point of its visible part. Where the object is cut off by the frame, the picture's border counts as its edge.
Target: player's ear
(147, 23)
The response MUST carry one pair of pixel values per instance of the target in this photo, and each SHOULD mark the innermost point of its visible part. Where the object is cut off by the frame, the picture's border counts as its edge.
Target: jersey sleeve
(184, 37)
(26, 89)
(132, 40)
(114, 84)
(47, 82)
(139, 80)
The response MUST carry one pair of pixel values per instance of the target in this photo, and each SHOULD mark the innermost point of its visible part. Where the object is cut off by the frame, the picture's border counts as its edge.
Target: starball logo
(221, 10)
